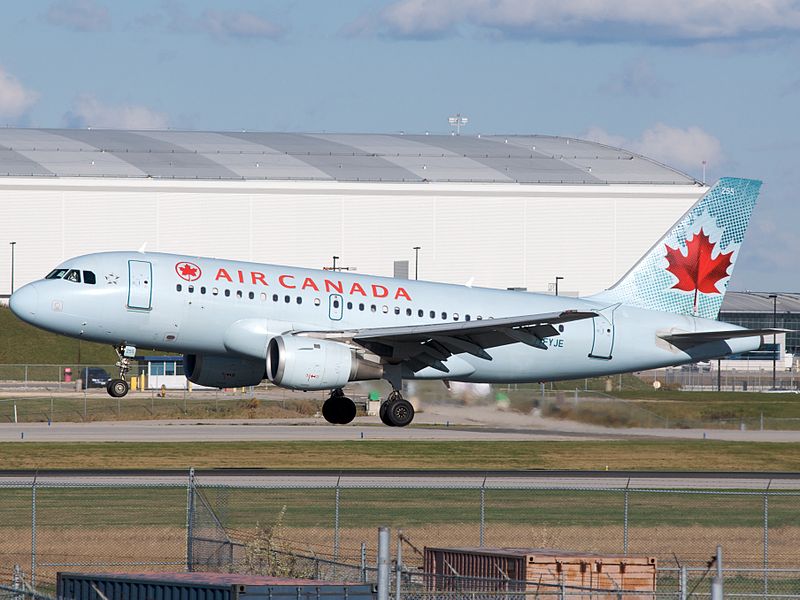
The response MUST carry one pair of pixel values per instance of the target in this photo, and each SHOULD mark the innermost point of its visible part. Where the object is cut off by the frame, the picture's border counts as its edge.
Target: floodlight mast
(458, 122)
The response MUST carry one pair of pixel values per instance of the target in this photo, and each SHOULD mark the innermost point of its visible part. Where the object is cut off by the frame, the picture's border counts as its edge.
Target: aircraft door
(603, 342)
(140, 284)
(335, 307)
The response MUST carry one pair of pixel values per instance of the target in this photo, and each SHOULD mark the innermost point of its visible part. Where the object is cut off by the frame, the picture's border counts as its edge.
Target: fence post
(190, 521)
(683, 583)
(766, 538)
(33, 531)
(383, 563)
(336, 527)
(16, 581)
(483, 512)
(625, 521)
(716, 581)
(398, 565)
(363, 562)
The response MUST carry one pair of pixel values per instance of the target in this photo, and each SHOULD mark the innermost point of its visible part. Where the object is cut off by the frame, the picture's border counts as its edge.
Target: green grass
(643, 455)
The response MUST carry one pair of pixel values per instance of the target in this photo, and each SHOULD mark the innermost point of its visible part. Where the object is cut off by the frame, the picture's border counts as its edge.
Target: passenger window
(361, 306)
(421, 313)
(317, 302)
(263, 297)
(385, 309)
(455, 316)
(480, 318)
(373, 308)
(299, 299)
(179, 287)
(191, 289)
(238, 293)
(203, 290)
(88, 277)
(408, 312)
(349, 306)
(397, 310)
(214, 291)
(444, 316)
(73, 275)
(227, 293)
(274, 297)
(287, 299)
(251, 295)
(466, 317)
(433, 314)
(335, 304)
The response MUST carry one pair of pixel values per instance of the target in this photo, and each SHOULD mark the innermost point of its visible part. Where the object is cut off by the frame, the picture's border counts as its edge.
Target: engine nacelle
(304, 363)
(222, 371)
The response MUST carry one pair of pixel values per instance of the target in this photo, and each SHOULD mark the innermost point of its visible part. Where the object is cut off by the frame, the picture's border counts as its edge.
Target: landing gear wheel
(339, 409)
(382, 413)
(399, 412)
(117, 388)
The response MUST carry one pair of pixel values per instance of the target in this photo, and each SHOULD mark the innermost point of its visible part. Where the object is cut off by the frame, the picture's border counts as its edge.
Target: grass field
(581, 455)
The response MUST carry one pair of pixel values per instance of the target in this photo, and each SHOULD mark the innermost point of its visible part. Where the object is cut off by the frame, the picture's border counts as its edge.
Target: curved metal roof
(323, 157)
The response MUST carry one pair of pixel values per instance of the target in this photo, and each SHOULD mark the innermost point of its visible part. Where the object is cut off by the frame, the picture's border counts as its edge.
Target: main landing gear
(396, 411)
(117, 388)
(338, 408)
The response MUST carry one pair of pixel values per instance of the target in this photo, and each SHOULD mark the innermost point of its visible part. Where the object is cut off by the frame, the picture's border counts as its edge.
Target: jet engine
(222, 371)
(304, 363)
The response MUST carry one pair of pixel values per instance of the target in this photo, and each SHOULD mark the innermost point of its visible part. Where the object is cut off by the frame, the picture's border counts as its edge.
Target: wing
(420, 346)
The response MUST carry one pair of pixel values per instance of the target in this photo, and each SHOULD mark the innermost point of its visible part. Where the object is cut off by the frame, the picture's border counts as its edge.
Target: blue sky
(682, 82)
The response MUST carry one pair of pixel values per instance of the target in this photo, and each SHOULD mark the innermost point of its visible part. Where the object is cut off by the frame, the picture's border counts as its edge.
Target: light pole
(335, 258)
(557, 280)
(416, 261)
(774, 336)
(12, 244)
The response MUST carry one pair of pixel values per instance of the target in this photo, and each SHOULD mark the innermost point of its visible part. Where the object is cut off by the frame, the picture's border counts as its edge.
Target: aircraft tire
(117, 388)
(400, 412)
(339, 410)
(382, 413)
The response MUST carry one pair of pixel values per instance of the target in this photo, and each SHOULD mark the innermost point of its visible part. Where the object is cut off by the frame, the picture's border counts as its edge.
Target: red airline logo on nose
(188, 271)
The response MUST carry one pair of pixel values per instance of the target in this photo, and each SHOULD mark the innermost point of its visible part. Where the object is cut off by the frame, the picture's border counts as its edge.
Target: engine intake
(303, 363)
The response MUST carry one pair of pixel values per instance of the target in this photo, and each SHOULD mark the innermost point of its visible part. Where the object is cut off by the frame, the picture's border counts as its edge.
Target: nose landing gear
(117, 388)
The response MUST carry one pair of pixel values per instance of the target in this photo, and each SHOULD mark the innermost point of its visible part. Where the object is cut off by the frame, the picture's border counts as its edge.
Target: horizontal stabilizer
(701, 337)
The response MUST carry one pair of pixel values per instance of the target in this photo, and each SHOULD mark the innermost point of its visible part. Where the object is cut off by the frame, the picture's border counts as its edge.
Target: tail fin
(688, 270)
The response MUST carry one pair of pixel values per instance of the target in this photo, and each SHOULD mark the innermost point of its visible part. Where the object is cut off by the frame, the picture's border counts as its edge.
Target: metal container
(541, 570)
(203, 586)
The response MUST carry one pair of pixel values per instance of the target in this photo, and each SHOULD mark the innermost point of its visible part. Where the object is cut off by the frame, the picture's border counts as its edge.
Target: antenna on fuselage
(143, 248)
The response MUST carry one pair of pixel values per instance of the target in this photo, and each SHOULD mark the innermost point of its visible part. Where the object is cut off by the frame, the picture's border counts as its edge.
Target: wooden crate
(602, 576)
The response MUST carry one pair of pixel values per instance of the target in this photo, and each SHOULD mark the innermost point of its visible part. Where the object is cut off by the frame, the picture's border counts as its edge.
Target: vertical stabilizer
(688, 270)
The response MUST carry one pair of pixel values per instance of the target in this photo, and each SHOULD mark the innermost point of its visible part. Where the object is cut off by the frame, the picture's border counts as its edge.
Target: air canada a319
(239, 323)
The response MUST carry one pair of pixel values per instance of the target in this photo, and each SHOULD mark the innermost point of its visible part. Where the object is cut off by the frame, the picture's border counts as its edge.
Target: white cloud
(79, 15)
(646, 21)
(15, 98)
(88, 111)
(238, 24)
(675, 147)
(635, 79)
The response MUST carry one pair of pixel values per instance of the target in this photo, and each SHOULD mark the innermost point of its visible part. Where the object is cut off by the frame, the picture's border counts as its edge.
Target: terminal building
(513, 211)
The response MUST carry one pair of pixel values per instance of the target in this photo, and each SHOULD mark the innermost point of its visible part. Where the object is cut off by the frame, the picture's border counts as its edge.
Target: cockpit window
(56, 274)
(73, 275)
(88, 277)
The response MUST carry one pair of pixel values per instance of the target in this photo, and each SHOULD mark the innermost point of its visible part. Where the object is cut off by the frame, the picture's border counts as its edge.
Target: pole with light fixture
(774, 336)
(557, 280)
(12, 244)
(416, 261)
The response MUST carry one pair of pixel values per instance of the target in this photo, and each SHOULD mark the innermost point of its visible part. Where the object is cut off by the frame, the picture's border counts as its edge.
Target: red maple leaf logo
(187, 271)
(698, 271)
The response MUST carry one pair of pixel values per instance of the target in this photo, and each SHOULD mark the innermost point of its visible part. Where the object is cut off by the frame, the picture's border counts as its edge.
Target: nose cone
(24, 302)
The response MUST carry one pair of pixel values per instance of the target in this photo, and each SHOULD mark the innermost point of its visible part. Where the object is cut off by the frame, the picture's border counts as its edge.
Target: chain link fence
(298, 527)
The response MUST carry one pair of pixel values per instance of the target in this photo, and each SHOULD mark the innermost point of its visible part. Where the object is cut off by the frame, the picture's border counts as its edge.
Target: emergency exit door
(603, 342)
(140, 284)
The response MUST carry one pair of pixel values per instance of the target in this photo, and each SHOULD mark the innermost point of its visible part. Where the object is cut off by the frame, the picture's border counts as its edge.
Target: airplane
(238, 323)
